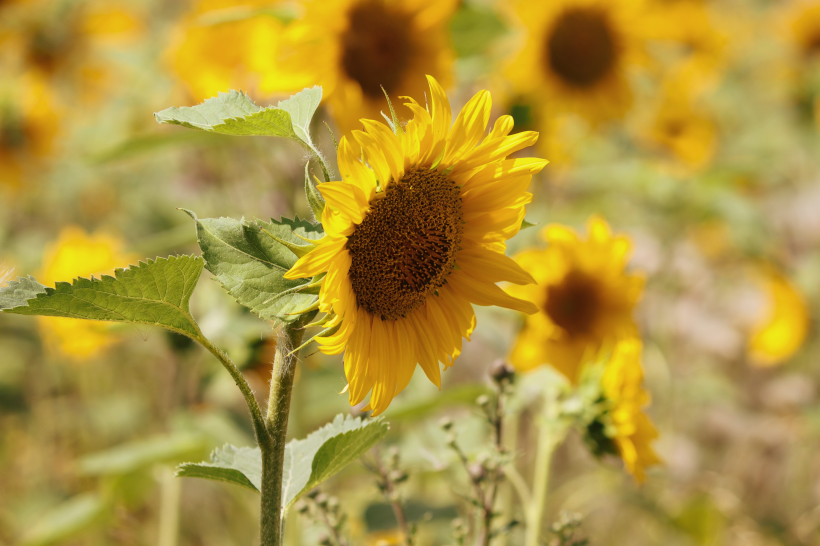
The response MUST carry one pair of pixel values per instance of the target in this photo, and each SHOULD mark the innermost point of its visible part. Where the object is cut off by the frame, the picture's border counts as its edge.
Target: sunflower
(414, 234)
(584, 297)
(782, 327)
(218, 45)
(576, 56)
(353, 48)
(632, 431)
(804, 27)
(75, 253)
(28, 124)
(678, 124)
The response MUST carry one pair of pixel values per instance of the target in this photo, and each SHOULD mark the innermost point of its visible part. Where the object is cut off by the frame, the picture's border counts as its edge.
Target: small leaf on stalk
(66, 521)
(325, 452)
(133, 456)
(154, 292)
(234, 113)
(308, 462)
(250, 264)
(237, 465)
(314, 198)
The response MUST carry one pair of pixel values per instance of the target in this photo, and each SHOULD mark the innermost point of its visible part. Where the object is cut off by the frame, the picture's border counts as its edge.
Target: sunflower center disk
(376, 48)
(581, 48)
(574, 304)
(406, 246)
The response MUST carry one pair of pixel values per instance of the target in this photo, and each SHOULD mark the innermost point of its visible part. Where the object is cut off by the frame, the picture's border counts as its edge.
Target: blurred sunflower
(802, 33)
(75, 253)
(67, 41)
(416, 235)
(353, 48)
(584, 297)
(227, 44)
(576, 55)
(28, 124)
(804, 26)
(783, 326)
(632, 431)
(678, 124)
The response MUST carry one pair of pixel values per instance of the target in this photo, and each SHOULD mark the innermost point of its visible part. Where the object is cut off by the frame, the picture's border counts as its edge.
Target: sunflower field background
(676, 228)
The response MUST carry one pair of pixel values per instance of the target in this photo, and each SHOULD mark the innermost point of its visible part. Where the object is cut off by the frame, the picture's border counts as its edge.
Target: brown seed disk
(406, 246)
(581, 48)
(575, 304)
(377, 47)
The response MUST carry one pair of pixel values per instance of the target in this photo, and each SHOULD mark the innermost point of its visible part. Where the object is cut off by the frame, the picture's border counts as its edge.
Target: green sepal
(326, 332)
(321, 322)
(314, 198)
(299, 250)
(312, 307)
(527, 224)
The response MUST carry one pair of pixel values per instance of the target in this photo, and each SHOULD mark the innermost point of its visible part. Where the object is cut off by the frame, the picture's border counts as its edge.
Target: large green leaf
(251, 263)
(237, 465)
(155, 292)
(326, 451)
(234, 113)
(308, 462)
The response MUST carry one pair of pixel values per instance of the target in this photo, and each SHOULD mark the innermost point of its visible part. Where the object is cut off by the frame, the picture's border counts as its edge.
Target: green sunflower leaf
(249, 259)
(325, 452)
(308, 462)
(155, 292)
(237, 465)
(234, 113)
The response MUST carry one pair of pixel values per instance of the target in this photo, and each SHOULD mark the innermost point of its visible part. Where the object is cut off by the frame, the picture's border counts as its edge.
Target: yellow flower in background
(215, 48)
(416, 235)
(621, 387)
(385, 538)
(353, 48)
(576, 56)
(74, 254)
(28, 124)
(678, 125)
(804, 26)
(584, 297)
(783, 326)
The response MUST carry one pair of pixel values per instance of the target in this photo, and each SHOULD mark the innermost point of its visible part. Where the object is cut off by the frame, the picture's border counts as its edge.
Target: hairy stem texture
(276, 423)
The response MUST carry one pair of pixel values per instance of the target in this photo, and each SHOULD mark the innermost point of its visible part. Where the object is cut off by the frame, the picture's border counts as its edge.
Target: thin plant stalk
(276, 425)
(170, 494)
(551, 432)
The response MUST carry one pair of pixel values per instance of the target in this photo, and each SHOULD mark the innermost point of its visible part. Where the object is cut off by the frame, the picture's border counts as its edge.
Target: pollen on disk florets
(406, 246)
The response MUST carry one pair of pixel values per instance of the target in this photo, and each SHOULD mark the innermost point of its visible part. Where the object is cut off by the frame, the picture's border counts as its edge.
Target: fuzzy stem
(273, 450)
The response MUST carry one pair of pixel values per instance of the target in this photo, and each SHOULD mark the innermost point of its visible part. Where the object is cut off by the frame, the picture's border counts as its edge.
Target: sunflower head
(630, 430)
(356, 48)
(415, 233)
(805, 28)
(585, 298)
(75, 253)
(576, 55)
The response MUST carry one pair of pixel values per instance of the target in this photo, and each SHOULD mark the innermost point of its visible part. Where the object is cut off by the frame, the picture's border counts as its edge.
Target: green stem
(259, 427)
(273, 449)
(551, 433)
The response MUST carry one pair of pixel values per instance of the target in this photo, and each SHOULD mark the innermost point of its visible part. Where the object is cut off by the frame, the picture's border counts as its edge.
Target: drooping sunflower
(621, 386)
(783, 325)
(353, 48)
(75, 253)
(414, 234)
(220, 44)
(584, 296)
(576, 56)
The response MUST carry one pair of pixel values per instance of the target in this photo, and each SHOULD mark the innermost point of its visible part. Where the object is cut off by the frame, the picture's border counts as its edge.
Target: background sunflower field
(679, 217)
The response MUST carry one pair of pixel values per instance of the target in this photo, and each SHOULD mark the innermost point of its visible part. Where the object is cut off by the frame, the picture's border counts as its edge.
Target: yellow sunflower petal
(317, 260)
(492, 267)
(468, 128)
(482, 293)
(353, 170)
